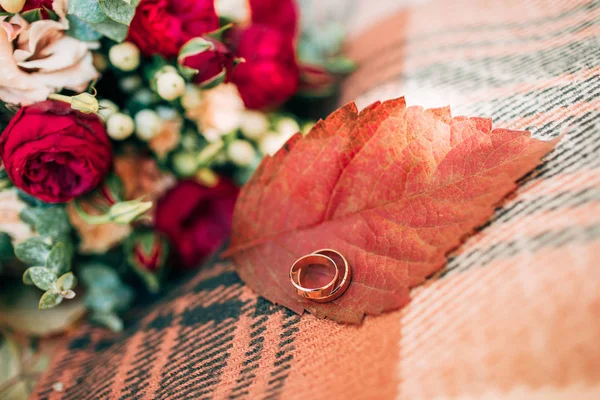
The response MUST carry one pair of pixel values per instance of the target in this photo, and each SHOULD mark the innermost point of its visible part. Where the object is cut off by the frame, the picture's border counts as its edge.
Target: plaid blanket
(513, 315)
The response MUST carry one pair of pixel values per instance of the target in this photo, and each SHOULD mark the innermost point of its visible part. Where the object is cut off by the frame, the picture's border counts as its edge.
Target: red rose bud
(208, 60)
(196, 219)
(147, 253)
(163, 26)
(269, 74)
(55, 153)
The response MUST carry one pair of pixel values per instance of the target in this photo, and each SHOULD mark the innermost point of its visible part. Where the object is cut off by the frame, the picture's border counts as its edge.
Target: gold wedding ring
(330, 291)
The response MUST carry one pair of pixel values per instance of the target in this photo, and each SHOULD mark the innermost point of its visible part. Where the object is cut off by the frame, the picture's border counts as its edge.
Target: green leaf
(87, 10)
(66, 282)
(33, 251)
(99, 276)
(118, 10)
(49, 299)
(111, 29)
(27, 277)
(32, 15)
(90, 12)
(53, 222)
(29, 215)
(81, 30)
(59, 259)
(42, 277)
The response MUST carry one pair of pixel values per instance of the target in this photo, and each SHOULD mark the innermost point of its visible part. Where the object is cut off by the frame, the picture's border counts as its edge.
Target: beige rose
(38, 59)
(218, 112)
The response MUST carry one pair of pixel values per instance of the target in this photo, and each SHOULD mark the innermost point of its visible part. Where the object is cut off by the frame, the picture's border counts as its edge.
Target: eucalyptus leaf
(112, 29)
(99, 276)
(82, 30)
(29, 215)
(27, 277)
(66, 282)
(59, 259)
(42, 277)
(87, 10)
(49, 299)
(118, 10)
(33, 251)
(53, 222)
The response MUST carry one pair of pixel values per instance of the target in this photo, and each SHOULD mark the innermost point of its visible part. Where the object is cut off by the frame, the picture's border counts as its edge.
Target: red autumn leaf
(392, 188)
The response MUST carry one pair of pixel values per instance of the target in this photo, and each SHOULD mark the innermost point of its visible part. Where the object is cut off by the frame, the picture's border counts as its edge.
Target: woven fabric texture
(515, 312)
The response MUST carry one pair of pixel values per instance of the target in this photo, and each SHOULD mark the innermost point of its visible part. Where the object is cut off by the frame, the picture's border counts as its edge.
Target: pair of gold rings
(332, 289)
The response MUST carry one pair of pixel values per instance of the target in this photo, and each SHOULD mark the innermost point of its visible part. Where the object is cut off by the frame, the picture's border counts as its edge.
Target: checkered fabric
(515, 313)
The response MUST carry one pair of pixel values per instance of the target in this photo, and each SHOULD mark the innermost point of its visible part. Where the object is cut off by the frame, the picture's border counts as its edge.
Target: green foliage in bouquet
(107, 295)
(91, 19)
(49, 254)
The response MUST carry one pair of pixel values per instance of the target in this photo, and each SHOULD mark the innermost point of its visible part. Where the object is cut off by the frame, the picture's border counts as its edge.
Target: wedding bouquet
(127, 127)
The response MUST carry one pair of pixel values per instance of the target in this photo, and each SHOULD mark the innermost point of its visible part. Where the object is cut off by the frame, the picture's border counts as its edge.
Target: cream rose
(217, 112)
(37, 59)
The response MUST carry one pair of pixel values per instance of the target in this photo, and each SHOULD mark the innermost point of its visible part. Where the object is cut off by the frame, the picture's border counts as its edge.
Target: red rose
(55, 153)
(163, 26)
(210, 63)
(270, 73)
(278, 14)
(196, 219)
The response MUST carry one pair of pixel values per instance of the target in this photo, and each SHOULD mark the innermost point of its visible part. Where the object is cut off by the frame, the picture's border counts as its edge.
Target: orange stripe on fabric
(334, 361)
(529, 320)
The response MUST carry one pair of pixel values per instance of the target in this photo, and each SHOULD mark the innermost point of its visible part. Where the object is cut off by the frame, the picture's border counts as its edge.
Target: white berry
(241, 153)
(254, 124)
(170, 85)
(185, 163)
(107, 108)
(12, 6)
(119, 126)
(287, 127)
(192, 97)
(124, 56)
(271, 143)
(147, 124)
